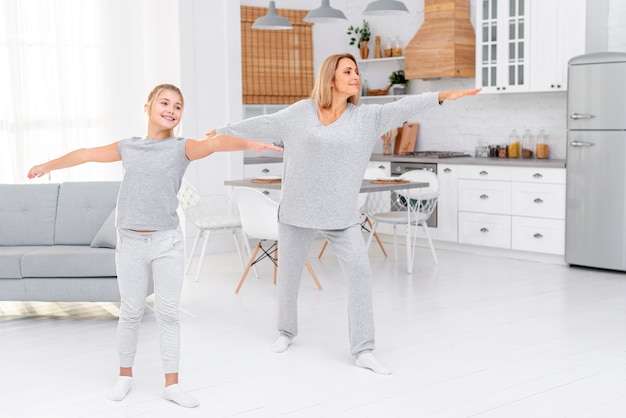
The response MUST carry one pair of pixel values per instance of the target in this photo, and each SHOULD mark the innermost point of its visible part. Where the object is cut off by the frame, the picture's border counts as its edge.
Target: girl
(328, 141)
(149, 240)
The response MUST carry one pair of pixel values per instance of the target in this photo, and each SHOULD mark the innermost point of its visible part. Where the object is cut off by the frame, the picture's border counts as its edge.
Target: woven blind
(277, 64)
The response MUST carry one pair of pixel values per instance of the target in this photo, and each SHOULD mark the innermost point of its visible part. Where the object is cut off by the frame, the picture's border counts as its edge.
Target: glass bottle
(514, 145)
(543, 149)
(387, 48)
(397, 47)
(527, 144)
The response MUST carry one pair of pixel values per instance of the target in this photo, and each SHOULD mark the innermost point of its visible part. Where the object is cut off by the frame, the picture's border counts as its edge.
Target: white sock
(368, 361)
(121, 388)
(174, 394)
(281, 344)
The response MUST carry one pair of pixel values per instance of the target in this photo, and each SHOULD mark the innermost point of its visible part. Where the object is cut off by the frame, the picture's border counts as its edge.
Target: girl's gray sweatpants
(139, 256)
(294, 244)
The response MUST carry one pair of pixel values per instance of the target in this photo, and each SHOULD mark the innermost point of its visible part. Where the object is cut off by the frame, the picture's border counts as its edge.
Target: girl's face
(347, 80)
(167, 110)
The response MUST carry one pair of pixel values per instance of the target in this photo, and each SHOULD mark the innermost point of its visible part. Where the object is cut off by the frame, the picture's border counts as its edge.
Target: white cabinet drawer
(485, 172)
(485, 196)
(538, 200)
(486, 230)
(538, 235)
(251, 171)
(538, 175)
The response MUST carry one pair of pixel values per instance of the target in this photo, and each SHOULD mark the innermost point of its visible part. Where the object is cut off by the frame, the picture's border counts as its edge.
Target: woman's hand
(455, 94)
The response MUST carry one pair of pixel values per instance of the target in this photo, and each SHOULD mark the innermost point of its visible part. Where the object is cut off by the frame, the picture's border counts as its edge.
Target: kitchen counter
(262, 160)
(517, 162)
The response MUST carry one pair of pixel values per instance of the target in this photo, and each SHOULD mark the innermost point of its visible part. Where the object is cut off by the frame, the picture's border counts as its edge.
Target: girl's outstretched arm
(196, 149)
(104, 154)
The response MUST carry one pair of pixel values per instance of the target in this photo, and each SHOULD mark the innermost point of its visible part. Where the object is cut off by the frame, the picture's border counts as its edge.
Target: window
(277, 64)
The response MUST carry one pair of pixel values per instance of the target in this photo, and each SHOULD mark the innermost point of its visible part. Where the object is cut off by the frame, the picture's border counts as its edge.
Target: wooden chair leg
(380, 243)
(310, 269)
(323, 248)
(245, 272)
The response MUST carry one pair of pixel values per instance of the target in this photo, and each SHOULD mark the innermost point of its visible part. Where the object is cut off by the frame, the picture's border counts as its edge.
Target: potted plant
(360, 36)
(398, 82)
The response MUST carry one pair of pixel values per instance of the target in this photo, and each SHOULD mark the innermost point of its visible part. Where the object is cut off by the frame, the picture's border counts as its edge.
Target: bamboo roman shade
(277, 64)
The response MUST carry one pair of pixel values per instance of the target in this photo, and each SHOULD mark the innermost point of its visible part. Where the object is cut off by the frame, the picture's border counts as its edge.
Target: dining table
(367, 186)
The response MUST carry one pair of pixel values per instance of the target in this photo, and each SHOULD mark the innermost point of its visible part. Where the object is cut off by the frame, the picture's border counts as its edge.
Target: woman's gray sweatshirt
(323, 166)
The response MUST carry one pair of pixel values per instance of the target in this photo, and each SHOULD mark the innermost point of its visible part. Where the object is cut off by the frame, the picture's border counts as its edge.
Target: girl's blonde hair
(322, 92)
(156, 91)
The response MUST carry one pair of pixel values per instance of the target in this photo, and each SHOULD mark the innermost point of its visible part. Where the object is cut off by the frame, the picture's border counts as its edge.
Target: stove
(436, 154)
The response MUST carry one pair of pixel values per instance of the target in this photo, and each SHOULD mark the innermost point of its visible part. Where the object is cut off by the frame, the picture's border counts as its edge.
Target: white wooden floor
(475, 336)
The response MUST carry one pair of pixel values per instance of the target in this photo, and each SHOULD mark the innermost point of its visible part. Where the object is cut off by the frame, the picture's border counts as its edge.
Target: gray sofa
(57, 242)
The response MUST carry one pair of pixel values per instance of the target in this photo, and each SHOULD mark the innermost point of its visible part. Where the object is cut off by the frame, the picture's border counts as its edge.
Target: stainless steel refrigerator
(596, 161)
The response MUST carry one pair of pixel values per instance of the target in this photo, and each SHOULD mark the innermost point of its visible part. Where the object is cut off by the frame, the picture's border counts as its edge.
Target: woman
(150, 241)
(328, 140)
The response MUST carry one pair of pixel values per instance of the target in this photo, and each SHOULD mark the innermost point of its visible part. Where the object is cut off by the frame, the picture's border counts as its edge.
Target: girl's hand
(209, 134)
(257, 146)
(456, 94)
(37, 171)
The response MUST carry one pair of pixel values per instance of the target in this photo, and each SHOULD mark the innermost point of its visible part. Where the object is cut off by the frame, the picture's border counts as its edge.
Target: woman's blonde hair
(156, 91)
(322, 92)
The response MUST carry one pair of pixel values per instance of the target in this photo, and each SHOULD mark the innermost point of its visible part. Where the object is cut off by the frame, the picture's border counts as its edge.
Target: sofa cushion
(82, 209)
(106, 237)
(27, 214)
(10, 258)
(69, 261)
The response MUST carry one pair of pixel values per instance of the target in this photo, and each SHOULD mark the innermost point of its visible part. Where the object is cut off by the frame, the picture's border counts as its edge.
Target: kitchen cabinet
(375, 72)
(252, 171)
(520, 208)
(447, 205)
(525, 45)
(558, 33)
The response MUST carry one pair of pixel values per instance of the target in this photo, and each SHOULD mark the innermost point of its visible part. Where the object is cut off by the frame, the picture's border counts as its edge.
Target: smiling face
(164, 113)
(347, 81)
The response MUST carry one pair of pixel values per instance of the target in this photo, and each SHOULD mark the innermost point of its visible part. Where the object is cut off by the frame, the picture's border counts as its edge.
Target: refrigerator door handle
(580, 144)
(577, 116)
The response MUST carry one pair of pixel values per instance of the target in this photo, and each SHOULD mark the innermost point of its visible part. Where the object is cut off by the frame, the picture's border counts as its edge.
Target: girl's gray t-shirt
(153, 173)
(323, 166)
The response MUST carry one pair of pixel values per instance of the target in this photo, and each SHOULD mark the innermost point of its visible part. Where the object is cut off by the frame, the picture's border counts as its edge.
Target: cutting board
(406, 139)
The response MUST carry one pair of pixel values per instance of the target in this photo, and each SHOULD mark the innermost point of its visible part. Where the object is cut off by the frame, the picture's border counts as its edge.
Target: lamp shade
(325, 14)
(386, 7)
(272, 21)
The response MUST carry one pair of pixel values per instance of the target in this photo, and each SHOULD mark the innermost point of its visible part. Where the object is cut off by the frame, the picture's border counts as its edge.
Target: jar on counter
(514, 145)
(543, 149)
(503, 151)
(527, 144)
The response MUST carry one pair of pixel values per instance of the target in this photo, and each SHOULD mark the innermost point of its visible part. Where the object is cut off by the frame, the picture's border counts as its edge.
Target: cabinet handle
(484, 230)
(447, 170)
(265, 192)
(265, 170)
(538, 235)
(382, 167)
(484, 197)
(538, 201)
(577, 116)
(483, 173)
(538, 175)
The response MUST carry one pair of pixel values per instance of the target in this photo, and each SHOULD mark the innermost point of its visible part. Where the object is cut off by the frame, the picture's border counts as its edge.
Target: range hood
(445, 44)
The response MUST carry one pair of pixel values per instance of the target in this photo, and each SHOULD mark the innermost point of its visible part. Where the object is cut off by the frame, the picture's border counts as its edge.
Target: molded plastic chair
(371, 173)
(209, 213)
(259, 219)
(423, 202)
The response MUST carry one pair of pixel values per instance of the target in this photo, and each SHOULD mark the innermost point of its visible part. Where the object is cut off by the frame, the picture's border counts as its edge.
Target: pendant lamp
(386, 7)
(272, 21)
(325, 14)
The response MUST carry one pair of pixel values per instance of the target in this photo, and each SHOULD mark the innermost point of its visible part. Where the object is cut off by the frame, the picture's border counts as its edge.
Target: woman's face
(347, 80)
(167, 110)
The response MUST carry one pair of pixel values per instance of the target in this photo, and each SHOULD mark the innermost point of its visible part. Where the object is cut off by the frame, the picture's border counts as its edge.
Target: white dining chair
(371, 173)
(209, 214)
(420, 201)
(259, 220)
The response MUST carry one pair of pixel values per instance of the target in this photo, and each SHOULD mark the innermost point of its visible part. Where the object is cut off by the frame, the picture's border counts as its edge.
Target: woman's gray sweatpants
(139, 256)
(294, 244)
